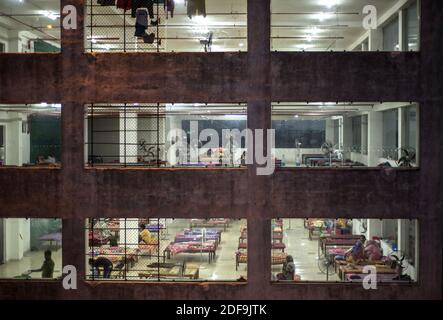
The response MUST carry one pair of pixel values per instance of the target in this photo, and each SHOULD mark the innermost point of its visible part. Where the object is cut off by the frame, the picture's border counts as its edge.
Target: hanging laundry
(141, 22)
(170, 6)
(124, 4)
(196, 8)
(107, 3)
(141, 25)
(148, 4)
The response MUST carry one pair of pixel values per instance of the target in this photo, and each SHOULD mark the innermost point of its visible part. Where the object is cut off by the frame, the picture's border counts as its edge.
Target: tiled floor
(303, 250)
(296, 239)
(222, 269)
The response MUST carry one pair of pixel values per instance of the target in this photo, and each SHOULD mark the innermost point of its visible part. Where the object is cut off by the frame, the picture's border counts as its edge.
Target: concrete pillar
(15, 238)
(375, 137)
(364, 134)
(86, 138)
(376, 39)
(401, 129)
(330, 130)
(347, 137)
(14, 140)
(402, 41)
(14, 43)
(129, 233)
(403, 234)
(128, 137)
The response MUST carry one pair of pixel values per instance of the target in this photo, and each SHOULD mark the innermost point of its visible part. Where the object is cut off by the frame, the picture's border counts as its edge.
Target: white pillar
(402, 236)
(402, 43)
(14, 43)
(128, 135)
(129, 233)
(14, 140)
(330, 130)
(375, 138)
(401, 130)
(14, 239)
(376, 39)
(347, 137)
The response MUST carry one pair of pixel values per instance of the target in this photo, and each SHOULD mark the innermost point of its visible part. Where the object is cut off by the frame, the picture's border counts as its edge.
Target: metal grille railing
(162, 135)
(35, 23)
(112, 29)
(126, 135)
(145, 249)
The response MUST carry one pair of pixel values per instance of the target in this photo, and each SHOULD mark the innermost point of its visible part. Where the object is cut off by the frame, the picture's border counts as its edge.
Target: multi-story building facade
(258, 78)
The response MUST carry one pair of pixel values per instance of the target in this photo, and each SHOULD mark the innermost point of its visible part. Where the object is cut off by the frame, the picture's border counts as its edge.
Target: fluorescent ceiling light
(323, 16)
(49, 14)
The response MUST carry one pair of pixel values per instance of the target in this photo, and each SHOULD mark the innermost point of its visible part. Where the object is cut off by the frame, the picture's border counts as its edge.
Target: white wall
(17, 238)
(13, 137)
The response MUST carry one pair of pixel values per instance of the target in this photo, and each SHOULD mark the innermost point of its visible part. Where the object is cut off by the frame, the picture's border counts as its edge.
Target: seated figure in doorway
(47, 269)
(288, 270)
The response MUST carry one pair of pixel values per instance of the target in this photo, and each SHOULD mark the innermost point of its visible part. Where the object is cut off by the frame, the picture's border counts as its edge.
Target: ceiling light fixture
(323, 15)
(314, 30)
(329, 3)
(49, 14)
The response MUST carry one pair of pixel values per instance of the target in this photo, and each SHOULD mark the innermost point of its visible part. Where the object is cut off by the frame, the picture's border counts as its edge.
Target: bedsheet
(191, 247)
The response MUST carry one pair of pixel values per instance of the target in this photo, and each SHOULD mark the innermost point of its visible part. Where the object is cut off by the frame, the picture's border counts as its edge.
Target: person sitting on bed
(146, 236)
(288, 269)
(373, 251)
(356, 253)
